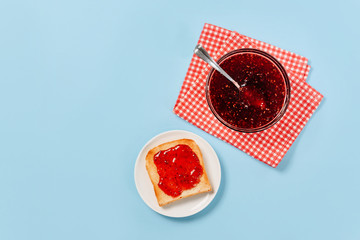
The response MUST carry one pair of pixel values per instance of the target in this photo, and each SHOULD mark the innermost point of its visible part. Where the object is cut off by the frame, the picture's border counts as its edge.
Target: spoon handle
(205, 56)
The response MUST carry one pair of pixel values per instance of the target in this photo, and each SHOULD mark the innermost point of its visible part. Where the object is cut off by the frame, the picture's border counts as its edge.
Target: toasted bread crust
(163, 198)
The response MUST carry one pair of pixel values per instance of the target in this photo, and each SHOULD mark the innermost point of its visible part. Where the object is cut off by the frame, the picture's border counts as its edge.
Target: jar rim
(284, 74)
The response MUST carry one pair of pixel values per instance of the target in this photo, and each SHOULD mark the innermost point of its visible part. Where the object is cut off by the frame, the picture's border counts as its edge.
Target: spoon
(250, 95)
(205, 56)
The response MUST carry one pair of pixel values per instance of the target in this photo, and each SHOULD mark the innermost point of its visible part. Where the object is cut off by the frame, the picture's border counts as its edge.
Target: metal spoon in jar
(205, 56)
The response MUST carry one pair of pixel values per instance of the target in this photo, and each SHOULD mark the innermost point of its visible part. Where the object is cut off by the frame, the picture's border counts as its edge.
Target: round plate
(184, 207)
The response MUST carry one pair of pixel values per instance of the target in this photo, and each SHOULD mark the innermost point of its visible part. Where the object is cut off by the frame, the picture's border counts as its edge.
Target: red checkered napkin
(268, 146)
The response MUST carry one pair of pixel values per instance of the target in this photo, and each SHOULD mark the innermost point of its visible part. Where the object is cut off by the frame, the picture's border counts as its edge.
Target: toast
(202, 186)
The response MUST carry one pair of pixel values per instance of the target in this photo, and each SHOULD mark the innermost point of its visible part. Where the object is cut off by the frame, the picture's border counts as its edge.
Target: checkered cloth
(268, 146)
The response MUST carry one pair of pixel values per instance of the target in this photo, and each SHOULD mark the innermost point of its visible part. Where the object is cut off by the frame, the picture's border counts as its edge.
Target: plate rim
(138, 160)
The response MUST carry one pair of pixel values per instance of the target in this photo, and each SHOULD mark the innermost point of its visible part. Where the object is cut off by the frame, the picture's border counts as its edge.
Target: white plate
(184, 207)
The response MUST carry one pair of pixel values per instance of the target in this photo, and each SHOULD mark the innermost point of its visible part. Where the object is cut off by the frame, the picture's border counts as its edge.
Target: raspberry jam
(259, 100)
(179, 169)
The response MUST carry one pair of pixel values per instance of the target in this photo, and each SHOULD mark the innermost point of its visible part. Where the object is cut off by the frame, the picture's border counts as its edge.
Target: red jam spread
(261, 96)
(179, 169)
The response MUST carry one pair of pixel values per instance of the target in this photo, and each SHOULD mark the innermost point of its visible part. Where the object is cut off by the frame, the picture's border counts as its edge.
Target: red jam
(261, 96)
(179, 169)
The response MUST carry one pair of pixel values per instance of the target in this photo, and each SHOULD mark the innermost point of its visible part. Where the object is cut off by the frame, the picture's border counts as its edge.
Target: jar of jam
(264, 93)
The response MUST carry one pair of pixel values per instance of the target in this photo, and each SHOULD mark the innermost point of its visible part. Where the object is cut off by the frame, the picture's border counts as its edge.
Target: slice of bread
(162, 197)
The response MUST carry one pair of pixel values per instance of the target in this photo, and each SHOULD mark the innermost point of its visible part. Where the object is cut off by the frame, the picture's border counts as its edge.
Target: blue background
(85, 84)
